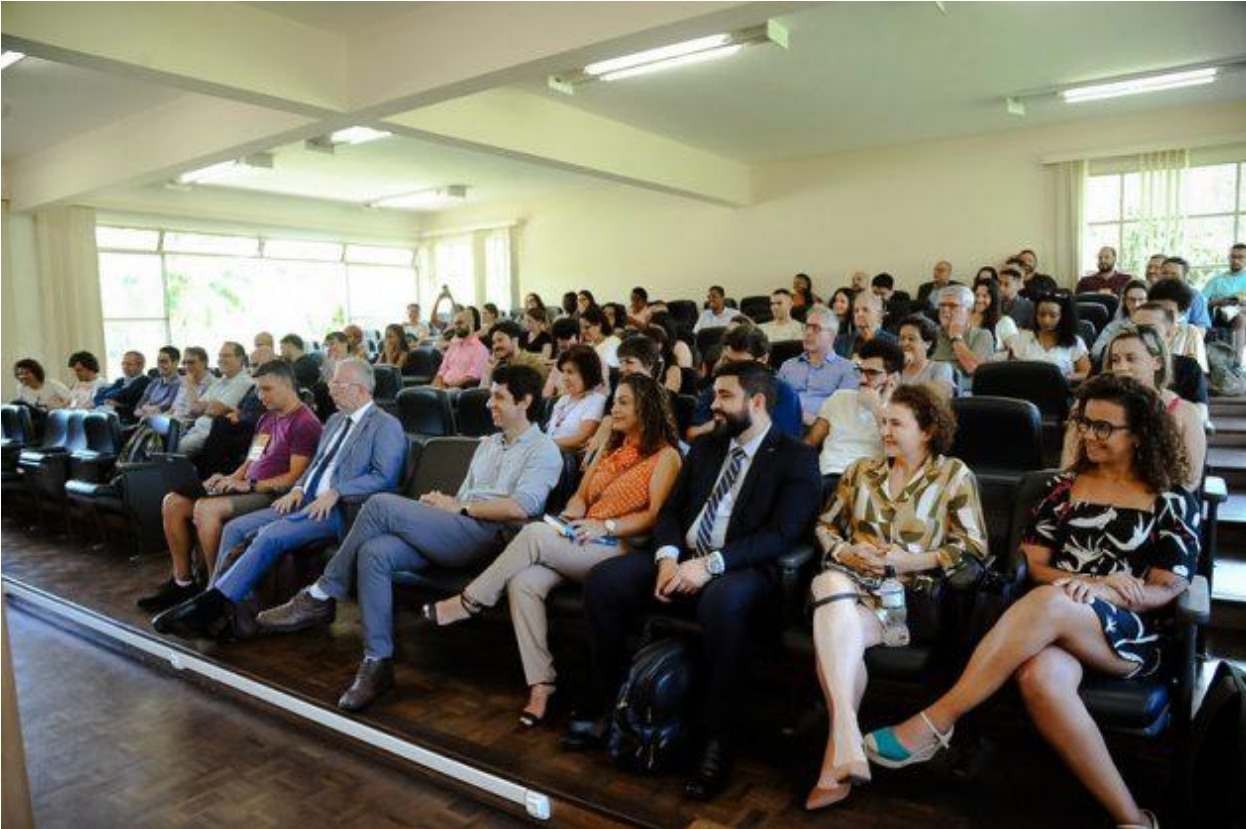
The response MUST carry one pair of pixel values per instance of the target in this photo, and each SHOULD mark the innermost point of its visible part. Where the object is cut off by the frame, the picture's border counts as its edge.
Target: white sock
(181, 583)
(316, 593)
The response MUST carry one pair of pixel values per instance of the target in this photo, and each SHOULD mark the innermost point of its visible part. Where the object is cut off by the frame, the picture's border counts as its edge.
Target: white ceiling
(345, 18)
(875, 74)
(45, 103)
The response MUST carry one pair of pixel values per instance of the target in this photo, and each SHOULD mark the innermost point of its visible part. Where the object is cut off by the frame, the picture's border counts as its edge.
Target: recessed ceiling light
(424, 199)
(358, 135)
(226, 169)
(1136, 86)
(7, 59)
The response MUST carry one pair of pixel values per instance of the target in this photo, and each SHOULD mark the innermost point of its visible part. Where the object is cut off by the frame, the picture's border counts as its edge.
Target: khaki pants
(534, 563)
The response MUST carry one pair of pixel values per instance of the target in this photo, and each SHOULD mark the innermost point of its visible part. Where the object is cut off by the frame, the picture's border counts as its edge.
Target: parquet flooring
(459, 692)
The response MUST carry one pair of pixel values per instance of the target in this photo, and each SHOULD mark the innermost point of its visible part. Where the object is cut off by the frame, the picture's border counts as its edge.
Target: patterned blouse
(938, 511)
(620, 484)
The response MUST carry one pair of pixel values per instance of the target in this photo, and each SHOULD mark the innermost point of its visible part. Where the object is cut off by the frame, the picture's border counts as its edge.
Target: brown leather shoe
(374, 677)
(301, 612)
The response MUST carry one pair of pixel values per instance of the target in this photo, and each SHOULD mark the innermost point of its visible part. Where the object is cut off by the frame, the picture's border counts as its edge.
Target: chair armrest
(795, 559)
(1215, 490)
(1194, 605)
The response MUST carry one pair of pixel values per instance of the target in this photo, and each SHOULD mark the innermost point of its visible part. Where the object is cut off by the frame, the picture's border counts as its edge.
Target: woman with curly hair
(1110, 544)
(618, 499)
(913, 512)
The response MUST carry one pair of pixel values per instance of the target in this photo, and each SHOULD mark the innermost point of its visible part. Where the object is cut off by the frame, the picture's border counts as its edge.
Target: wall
(972, 201)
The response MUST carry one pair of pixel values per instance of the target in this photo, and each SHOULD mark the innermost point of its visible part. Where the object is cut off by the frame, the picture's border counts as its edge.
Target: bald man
(867, 324)
(941, 278)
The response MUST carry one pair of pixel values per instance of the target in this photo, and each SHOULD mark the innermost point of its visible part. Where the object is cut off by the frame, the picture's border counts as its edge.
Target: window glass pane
(1098, 236)
(127, 238)
(1132, 196)
(1241, 187)
(498, 269)
(120, 336)
(454, 266)
(1209, 189)
(1207, 240)
(377, 255)
(1103, 198)
(211, 243)
(131, 285)
(379, 295)
(292, 249)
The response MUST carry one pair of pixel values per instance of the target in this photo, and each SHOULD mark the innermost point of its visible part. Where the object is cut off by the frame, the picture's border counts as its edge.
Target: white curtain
(1070, 208)
(70, 313)
(1160, 210)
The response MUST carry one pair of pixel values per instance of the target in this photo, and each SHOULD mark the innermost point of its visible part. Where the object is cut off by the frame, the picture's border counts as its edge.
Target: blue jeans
(274, 536)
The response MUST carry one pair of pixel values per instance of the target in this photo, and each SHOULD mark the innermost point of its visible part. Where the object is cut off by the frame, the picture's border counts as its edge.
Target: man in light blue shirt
(1225, 294)
(819, 372)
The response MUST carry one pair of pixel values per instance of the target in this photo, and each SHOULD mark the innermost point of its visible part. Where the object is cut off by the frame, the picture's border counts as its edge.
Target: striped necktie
(705, 530)
(318, 472)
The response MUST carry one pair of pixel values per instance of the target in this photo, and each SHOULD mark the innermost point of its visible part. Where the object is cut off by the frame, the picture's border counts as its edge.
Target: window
(1213, 201)
(454, 265)
(132, 293)
(498, 280)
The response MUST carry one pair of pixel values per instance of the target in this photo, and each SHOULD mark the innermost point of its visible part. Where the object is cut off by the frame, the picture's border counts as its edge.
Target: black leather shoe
(170, 594)
(198, 618)
(712, 772)
(584, 733)
(374, 677)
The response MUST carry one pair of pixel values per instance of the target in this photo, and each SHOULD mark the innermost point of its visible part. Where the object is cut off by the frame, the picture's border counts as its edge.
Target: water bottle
(895, 615)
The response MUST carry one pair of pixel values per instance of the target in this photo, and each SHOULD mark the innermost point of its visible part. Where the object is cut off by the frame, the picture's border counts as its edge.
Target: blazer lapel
(757, 470)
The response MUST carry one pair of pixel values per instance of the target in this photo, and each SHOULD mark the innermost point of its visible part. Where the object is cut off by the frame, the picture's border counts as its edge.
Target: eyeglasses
(870, 373)
(1101, 429)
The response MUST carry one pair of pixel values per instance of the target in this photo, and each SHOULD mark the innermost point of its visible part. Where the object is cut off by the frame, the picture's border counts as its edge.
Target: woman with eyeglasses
(1139, 351)
(1110, 545)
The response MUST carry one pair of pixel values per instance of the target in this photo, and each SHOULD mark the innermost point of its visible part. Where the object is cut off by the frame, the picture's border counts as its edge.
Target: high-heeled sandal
(472, 607)
(530, 719)
(1149, 815)
(846, 776)
(885, 749)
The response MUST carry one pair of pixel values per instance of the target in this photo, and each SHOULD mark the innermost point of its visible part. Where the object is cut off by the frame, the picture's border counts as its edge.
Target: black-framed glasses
(1101, 429)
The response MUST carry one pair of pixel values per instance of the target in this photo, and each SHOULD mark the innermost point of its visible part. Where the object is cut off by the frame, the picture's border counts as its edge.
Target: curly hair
(653, 411)
(1066, 326)
(932, 412)
(1159, 460)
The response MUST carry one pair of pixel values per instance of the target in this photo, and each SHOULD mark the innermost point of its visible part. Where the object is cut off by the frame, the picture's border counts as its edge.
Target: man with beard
(745, 495)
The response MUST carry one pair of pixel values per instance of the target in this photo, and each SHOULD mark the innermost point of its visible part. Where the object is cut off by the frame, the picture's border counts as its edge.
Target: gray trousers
(394, 533)
(537, 561)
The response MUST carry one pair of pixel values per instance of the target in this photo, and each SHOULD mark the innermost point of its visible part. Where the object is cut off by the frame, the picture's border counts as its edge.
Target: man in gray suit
(362, 451)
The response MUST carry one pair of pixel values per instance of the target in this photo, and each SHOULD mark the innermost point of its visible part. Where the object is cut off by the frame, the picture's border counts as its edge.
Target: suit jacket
(774, 510)
(371, 460)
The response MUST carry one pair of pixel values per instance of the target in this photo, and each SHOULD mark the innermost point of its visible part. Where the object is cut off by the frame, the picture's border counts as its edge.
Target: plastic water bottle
(895, 614)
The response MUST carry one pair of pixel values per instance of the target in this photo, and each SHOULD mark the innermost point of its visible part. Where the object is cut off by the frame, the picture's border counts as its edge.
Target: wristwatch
(714, 564)
(612, 526)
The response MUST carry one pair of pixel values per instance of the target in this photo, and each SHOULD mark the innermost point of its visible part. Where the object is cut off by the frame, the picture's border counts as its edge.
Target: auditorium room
(670, 415)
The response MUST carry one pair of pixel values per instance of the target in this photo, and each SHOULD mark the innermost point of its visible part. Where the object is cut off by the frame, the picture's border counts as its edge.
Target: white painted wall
(973, 201)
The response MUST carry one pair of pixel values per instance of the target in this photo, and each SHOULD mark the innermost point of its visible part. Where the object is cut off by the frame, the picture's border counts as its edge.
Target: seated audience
(987, 316)
(1155, 268)
(986, 273)
(617, 500)
(1132, 295)
(128, 389)
(596, 330)
(1109, 547)
(264, 339)
(860, 280)
(219, 399)
(511, 475)
(196, 380)
(867, 325)
(637, 355)
(783, 326)
(1225, 293)
(437, 321)
(819, 372)
(565, 332)
(578, 411)
(748, 345)
(88, 384)
(504, 337)
(918, 335)
(467, 357)
(1107, 280)
(672, 378)
(1054, 338)
(912, 512)
(896, 304)
(847, 426)
(306, 372)
(941, 277)
(1185, 338)
(1187, 378)
(640, 310)
(36, 390)
(355, 346)
(536, 337)
(803, 295)
(336, 349)
(283, 444)
(533, 301)
(716, 313)
(570, 305)
(1040, 285)
(1028, 260)
(583, 301)
(362, 451)
(616, 315)
(744, 496)
(394, 348)
(1011, 300)
(415, 328)
(162, 391)
(961, 345)
(1139, 352)
(1175, 267)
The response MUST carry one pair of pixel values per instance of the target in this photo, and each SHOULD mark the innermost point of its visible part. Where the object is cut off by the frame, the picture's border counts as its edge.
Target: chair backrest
(388, 382)
(102, 433)
(568, 483)
(75, 431)
(1110, 302)
(56, 428)
(424, 410)
(784, 350)
(18, 428)
(1093, 312)
(684, 312)
(756, 308)
(1043, 384)
(687, 380)
(1029, 488)
(998, 434)
(422, 362)
(443, 465)
(1087, 331)
(471, 415)
(685, 406)
(709, 336)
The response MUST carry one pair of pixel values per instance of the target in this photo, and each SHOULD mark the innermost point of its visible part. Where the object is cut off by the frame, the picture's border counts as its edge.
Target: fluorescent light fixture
(226, 169)
(1136, 86)
(423, 199)
(686, 53)
(358, 135)
(7, 59)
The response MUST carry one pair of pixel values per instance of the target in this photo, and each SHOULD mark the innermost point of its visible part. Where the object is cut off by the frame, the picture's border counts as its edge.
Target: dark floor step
(1229, 462)
(1227, 407)
(1230, 431)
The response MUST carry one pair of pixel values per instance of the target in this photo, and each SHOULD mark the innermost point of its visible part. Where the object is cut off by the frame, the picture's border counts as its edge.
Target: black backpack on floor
(1217, 772)
(651, 722)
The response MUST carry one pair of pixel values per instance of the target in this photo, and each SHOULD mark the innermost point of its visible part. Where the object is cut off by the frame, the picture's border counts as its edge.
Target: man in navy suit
(362, 451)
(745, 494)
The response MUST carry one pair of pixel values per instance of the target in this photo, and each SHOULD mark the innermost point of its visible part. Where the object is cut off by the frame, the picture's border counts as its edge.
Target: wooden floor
(458, 693)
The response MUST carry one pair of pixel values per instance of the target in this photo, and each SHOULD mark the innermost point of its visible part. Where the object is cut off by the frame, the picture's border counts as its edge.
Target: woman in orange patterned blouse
(618, 499)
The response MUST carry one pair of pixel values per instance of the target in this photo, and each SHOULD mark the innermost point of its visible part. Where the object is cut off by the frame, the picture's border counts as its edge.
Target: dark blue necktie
(323, 464)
